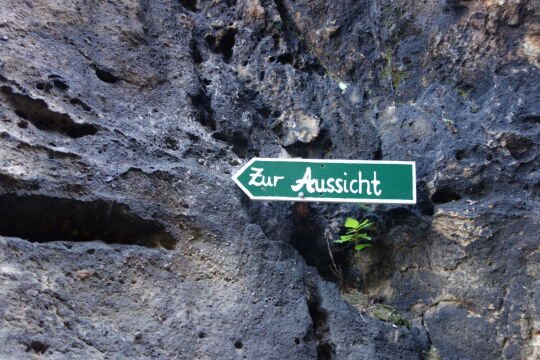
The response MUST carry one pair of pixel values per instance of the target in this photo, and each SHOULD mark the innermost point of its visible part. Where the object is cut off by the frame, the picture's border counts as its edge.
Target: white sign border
(334, 200)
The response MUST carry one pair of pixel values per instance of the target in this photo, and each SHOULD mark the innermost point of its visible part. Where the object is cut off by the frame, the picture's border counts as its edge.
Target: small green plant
(355, 233)
(389, 314)
(448, 121)
(463, 93)
(397, 77)
(388, 71)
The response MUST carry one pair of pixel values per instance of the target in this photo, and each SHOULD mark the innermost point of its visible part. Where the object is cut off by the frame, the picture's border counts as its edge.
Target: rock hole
(190, 5)
(19, 113)
(238, 344)
(202, 335)
(263, 110)
(286, 58)
(171, 143)
(40, 218)
(204, 114)
(378, 154)
(223, 42)
(60, 84)
(315, 149)
(42, 85)
(443, 196)
(531, 118)
(37, 347)
(226, 43)
(320, 329)
(210, 41)
(366, 95)
(37, 112)
(192, 137)
(426, 207)
(195, 53)
(460, 10)
(308, 239)
(238, 140)
(80, 103)
(297, 341)
(460, 154)
(105, 75)
(324, 352)
(467, 88)
(272, 58)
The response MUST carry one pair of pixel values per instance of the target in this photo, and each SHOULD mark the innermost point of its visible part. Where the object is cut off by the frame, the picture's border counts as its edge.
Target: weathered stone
(123, 236)
(297, 126)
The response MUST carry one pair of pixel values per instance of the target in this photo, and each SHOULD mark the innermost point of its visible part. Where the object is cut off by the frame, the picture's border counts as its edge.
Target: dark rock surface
(123, 236)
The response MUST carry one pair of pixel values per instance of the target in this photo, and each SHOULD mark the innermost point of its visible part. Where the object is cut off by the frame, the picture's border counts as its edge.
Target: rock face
(122, 234)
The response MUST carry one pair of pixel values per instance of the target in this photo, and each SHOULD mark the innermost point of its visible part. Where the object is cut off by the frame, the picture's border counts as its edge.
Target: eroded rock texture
(123, 236)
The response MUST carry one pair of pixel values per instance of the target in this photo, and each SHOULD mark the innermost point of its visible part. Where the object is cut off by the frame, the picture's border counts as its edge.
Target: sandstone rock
(123, 236)
(297, 126)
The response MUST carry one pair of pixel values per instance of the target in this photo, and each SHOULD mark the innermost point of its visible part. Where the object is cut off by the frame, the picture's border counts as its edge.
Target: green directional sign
(361, 181)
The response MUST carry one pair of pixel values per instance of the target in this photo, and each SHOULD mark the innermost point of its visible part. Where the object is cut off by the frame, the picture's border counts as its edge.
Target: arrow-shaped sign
(360, 181)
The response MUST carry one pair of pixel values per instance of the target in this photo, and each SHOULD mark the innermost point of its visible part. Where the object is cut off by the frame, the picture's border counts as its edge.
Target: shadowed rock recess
(122, 235)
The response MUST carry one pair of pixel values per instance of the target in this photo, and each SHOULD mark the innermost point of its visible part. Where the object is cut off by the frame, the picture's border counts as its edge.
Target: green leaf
(343, 238)
(351, 223)
(361, 246)
(365, 224)
(364, 236)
